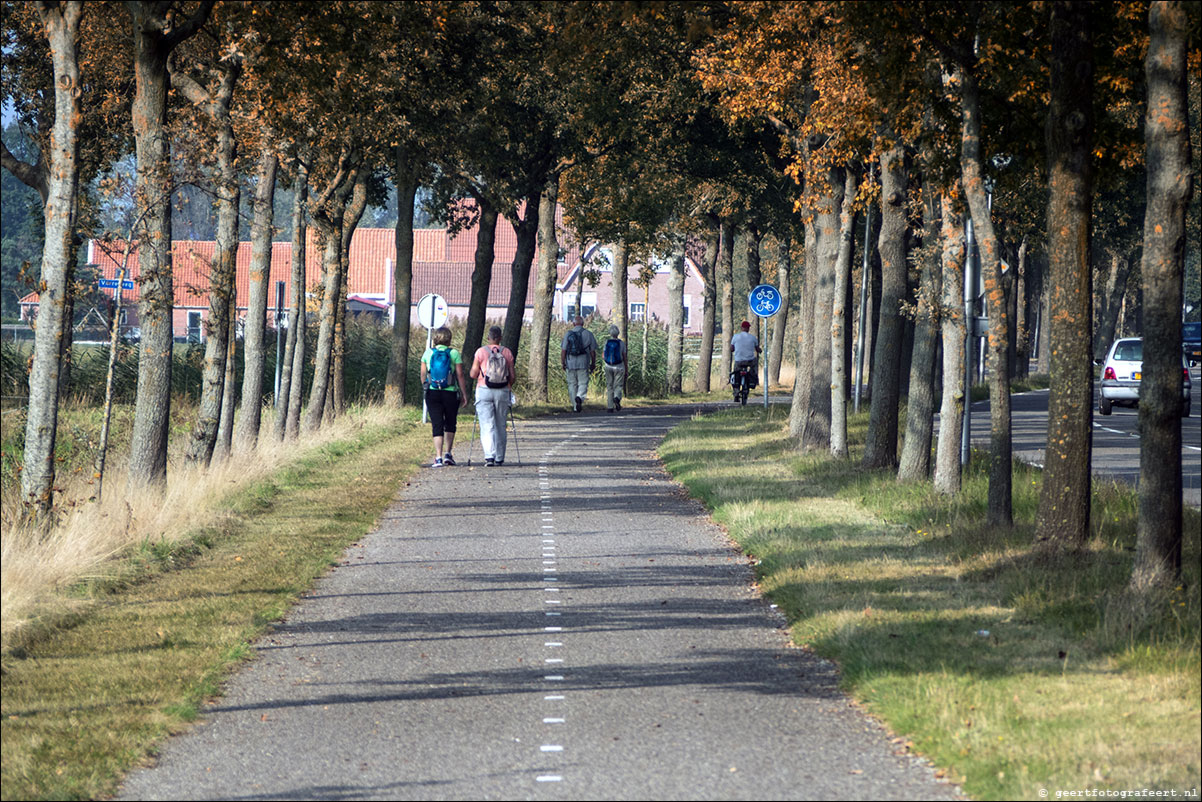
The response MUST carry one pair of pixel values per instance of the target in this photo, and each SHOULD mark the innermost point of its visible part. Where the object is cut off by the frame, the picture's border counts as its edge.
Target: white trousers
(615, 384)
(492, 410)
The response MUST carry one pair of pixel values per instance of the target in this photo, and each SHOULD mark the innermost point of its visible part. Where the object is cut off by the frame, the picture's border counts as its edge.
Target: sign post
(765, 301)
(432, 312)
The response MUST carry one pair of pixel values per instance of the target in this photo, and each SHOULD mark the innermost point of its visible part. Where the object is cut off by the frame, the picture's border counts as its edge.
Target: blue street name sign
(764, 300)
(111, 284)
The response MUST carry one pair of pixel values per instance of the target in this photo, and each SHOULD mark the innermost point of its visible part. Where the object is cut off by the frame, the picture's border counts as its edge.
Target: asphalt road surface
(573, 627)
(1115, 438)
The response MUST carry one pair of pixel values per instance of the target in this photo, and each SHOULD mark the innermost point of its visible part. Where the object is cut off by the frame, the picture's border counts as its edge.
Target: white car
(1121, 374)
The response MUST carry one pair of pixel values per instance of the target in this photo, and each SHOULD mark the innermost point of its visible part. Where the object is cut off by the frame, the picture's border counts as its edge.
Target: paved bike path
(573, 627)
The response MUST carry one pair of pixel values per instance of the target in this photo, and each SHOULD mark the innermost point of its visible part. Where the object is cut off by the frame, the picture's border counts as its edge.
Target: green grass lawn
(1013, 675)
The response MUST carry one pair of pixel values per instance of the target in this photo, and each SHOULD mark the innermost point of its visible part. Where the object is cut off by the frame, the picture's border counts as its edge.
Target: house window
(638, 312)
(686, 315)
(570, 311)
(194, 330)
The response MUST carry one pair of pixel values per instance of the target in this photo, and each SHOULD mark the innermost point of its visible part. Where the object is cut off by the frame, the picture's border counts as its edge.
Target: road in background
(1115, 438)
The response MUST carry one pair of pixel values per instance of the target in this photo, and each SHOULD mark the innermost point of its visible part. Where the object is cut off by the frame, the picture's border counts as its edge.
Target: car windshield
(1191, 331)
(1129, 351)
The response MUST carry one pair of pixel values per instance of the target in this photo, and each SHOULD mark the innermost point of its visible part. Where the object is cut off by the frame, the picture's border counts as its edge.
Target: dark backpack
(439, 373)
(613, 352)
(575, 343)
(496, 370)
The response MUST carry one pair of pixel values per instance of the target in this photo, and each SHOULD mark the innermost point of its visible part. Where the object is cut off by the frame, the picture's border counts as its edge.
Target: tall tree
(676, 279)
(213, 95)
(544, 290)
(1064, 502)
(254, 340)
(57, 185)
(951, 314)
(292, 375)
(1170, 185)
(158, 30)
(880, 449)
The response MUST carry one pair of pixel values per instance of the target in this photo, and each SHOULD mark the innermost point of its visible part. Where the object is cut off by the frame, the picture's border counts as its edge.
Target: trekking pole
(471, 444)
(514, 427)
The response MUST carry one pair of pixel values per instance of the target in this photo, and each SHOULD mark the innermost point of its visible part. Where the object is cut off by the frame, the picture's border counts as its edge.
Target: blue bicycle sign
(764, 300)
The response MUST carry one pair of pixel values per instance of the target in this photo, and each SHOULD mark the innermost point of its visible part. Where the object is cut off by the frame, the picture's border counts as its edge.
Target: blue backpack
(439, 373)
(613, 352)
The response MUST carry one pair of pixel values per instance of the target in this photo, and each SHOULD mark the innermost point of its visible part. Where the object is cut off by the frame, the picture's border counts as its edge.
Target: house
(442, 264)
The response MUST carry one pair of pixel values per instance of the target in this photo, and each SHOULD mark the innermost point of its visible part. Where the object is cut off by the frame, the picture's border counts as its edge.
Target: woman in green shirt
(442, 376)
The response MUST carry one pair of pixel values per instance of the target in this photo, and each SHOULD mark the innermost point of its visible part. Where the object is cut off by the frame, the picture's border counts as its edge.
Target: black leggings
(443, 406)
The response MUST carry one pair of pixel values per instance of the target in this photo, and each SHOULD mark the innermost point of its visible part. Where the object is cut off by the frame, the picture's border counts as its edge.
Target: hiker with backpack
(578, 356)
(442, 376)
(614, 358)
(492, 367)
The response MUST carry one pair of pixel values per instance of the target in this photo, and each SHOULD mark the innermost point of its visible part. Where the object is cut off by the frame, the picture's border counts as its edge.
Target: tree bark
(351, 215)
(839, 322)
(915, 460)
(395, 381)
(803, 381)
(709, 266)
(296, 314)
(61, 25)
(676, 321)
(816, 429)
(972, 175)
(225, 426)
(254, 330)
(880, 448)
(951, 408)
(224, 267)
(1159, 534)
(1116, 287)
(620, 279)
(477, 312)
(754, 274)
(1064, 503)
(544, 290)
(526, 227)
(323, 356)
(726, 287)
(780, 321)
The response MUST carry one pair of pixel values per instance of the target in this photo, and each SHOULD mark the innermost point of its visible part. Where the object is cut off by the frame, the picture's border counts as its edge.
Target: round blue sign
(764, 300)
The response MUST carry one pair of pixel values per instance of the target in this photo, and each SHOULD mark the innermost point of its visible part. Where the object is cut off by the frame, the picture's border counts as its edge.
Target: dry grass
(40, 569)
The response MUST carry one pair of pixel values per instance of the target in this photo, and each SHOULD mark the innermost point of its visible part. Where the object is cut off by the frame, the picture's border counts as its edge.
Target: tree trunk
(709, 265)
(61, 25)
(526, 228)
(1064, 504)
(152, 408)
(816, 430)
(839, 322)
(620, 279)
(880, 448)
(915, 461)
(726, 286)
(296, 314)
(754, 274)
(1116, 287)
(951, 409)
(1159, 535)
(221, 279)
(544, 291)
(323, 356)
(1001, 471)
(676, 321)
(351, 215)
(254, 330)
(225, 426)
(780, 320)
(477, 312)
(395, 382)
(803, 381)
(1022, 316)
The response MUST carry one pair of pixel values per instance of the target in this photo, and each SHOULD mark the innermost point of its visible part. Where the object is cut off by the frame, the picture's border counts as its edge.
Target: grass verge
(1016, 677)
(84, 702)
